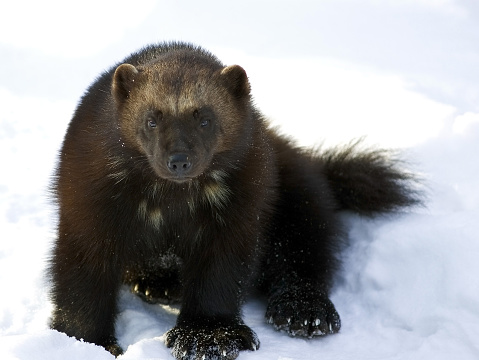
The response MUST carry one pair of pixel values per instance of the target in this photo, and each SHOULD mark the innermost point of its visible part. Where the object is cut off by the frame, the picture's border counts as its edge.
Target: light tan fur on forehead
(177, 89)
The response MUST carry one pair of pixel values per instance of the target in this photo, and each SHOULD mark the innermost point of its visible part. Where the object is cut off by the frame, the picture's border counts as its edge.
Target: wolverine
(171, 181)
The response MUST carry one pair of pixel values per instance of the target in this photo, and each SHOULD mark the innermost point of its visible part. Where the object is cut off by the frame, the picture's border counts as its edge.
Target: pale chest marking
(217, 194)
(152, 215)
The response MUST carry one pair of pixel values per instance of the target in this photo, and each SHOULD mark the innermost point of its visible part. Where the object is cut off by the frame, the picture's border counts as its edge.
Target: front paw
(114, 349)
(155, 294)
(210, 341)
(302, 311)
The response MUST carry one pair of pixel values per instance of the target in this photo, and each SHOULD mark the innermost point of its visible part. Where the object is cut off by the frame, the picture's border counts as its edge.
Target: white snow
(404, 73)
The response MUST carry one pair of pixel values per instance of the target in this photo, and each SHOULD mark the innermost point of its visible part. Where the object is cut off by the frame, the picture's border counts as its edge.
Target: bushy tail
(369, 181)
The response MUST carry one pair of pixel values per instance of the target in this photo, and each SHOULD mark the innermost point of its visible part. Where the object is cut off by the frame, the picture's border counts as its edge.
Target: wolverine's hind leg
(156, 282)
(301, 260)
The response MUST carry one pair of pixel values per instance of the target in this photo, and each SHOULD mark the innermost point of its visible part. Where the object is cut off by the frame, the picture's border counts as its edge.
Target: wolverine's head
(180, 110)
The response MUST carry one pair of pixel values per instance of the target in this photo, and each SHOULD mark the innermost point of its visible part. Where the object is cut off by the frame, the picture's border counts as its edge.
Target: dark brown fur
(169, 180)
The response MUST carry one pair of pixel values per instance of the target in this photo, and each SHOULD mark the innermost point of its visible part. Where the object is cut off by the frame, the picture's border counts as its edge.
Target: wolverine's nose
(179, 164)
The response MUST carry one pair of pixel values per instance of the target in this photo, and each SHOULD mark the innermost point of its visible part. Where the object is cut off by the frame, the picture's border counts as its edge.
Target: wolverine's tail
(369, 181)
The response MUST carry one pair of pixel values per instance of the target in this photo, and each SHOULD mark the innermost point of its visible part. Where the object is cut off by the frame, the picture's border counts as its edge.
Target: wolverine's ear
(236, 80)
(123, 81)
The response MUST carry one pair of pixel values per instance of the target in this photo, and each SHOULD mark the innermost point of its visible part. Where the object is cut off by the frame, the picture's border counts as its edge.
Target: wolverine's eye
(202, 118)
(152, 123)
(153, 118)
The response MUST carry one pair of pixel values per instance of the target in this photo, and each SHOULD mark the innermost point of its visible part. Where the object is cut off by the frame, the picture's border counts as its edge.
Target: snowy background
(404, 73)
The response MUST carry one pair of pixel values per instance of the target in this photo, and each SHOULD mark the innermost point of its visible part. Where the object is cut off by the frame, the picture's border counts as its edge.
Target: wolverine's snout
(179, 164)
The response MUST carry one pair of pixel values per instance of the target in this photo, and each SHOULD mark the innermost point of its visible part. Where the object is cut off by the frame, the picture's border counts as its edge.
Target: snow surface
(403, 73)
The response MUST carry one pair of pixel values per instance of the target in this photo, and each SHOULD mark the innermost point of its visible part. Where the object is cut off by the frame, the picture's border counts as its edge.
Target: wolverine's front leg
(300, 261)
(209, 325)
(85, 289)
